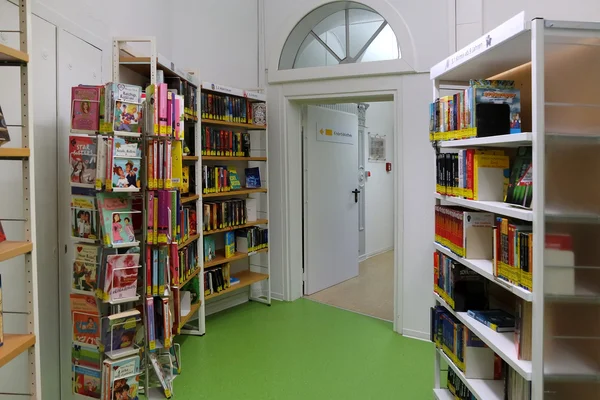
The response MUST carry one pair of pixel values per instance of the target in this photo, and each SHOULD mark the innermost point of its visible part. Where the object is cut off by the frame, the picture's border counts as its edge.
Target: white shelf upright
(16, 344)
(554, 64)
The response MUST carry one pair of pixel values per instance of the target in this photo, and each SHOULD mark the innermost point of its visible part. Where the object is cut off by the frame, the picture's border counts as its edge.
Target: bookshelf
(229, 125)
(551, 67)
(22, 337)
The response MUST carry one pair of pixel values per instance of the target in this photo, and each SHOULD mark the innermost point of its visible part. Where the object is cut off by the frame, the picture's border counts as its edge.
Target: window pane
(332, 30)
(313, 54)
(363, 24)
(384, 47)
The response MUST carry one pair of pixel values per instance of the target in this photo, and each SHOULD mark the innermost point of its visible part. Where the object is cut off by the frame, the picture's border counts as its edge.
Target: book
(150, 328)
(259, 114)
(520, 186)
(523, 329)
(229, 244)
(125, 173)
(121, 276)
(127, 117)
(252, 177)
(234, 178)
(209, 249)
(162, 378)
(185, 179)
(119, 330)
(4, 135)
(234, 281)
(85, 222)
(251, 210)
(121, 378)
(114, 208)
(86, 356)
(82, 161)
(85, 108)
(87, 382)
(86, 319)
(498, 320)
(85, 276)
(461, 287)
(177, 167)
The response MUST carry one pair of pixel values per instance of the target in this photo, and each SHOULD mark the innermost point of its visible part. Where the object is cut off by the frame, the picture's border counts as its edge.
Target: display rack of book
(19, 320)
(515, 135)
(233, 174)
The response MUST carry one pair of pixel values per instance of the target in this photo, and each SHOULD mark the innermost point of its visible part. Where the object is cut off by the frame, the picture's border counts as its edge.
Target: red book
(149, 269)
(231, 143)
(174, 264)
(470, 154)
(559, 241)
(85, 108)
(511, 245)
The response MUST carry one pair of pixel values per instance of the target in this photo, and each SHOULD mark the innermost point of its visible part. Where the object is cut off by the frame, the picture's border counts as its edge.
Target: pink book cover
(150, 217)
(168, 168)
(85, 108)
(177, 119)
(162, 108)
(155, 165)
(121, 276)
(161, 165)
(170, 114)
(149, 269)
(163, 216)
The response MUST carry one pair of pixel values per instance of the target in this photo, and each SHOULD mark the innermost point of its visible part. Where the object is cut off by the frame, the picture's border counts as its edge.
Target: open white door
(331, 198)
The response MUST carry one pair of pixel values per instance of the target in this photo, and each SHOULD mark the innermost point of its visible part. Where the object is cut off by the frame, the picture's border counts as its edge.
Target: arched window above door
(339, 33)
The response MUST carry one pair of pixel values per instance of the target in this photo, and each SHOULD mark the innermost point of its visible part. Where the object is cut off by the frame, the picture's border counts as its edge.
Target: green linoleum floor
(302, 350)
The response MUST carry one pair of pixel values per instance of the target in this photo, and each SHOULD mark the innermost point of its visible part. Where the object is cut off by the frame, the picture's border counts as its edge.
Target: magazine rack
(114, 279)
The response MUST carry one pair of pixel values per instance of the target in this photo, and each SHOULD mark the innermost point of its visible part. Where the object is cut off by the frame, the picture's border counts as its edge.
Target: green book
(234, 179)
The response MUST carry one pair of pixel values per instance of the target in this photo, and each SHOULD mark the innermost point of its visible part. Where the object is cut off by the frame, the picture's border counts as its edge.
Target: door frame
(288, 99)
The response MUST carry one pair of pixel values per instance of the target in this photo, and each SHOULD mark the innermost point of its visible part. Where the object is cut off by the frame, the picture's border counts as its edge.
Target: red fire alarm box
(388, 166)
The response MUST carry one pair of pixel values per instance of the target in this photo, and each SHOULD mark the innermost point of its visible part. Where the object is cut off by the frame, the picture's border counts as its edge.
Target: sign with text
(327, 133)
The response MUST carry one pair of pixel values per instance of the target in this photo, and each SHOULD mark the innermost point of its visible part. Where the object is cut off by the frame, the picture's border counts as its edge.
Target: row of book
(218, 279)
(250, 240)
(457, 387)
(513, 252)
(232, 109)
(485, 108)
(162, 267)
(164, 164)
(168, 220)
(189, 93)
(453, 225)
(159, 323)
(188, 263)
(216, 179)
(228, 213)
(166, 111)
(220, 142)
(459, 286)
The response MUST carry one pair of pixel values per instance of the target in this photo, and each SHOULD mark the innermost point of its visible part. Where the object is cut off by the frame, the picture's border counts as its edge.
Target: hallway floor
(302, 350)
(370, 293)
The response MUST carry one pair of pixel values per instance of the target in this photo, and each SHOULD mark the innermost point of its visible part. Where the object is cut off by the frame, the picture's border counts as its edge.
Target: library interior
(349, 203)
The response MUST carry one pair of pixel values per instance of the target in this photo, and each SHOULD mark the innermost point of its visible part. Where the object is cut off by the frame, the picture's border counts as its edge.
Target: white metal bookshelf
(23, 342)
(554, 64)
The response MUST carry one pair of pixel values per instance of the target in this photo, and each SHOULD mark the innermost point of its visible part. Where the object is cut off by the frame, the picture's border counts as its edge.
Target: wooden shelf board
(496, 207)
(193, 310)
(485, 269)
(234, 193)
(7, 153)
(220, 257)
(233, 124)
(189, 199)
(246, 278)
(13, 346)
(10, 249)
(225, 158)
(191, 239)
(141, 65)
(511, 140)
(190, 158)
(189, 278)
(233, 228)
(12, 55)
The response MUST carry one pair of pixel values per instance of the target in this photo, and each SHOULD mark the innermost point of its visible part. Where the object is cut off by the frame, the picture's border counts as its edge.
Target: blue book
(233, 281)
(498, 320)
(252, 178)
(155, 272)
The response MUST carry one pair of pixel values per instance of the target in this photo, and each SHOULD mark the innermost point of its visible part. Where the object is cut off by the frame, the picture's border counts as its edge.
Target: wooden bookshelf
(10, 249)
(13, 346)
(226, 158)
(191, 239)
(234, 124)
(234, 193)
(246, 278)
(7, 153)
(233, 228)
(189, 278)
(189, 198)
(190, 158)
(12, 56)
(220, 257)
(193, 310)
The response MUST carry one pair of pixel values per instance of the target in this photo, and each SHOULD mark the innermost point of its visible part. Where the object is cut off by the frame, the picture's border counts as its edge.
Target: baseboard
(409, 333)
(376, 253)
(234, 299)
(277, 296)
(362, 258)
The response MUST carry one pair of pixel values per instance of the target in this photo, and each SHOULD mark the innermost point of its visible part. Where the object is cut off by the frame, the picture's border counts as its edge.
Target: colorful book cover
(85, 277)
(229, 244)
(118, 330)
(520, 186)
(234, 179)
(150, 328)
(86, 382)
(86, 356)
(85, 108)
(168, 165)
(108, 204)
(185, 179)
(128, 117)
(163, 216)
(162, 268)
(170, 113)
(152, 99)
(86, 321)
(82, 160)
(209, 249)
(252, 177)
(122, 231)
(125, 147)
(162, 107)
(125, 173)
(122, 378)
(150, 222)
(84, 218)
(127, 93)
(121, 276)
(177, 164)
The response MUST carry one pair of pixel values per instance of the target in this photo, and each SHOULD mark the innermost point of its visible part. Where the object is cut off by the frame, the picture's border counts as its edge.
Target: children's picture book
(126, 92)
(86, 356)
(82, 160)
(124, 147)
(85, 108)
(209, 249)
(108, 204)
(234, 179)
(85, 276)
(84, 218)
(120, 280)
(126, 173)
(87, 382)
(252, 177)
(229, 244)
(121, 378)
(118, 331)
(86, 320)
(127, 117)
(4, 136)
(122, 228)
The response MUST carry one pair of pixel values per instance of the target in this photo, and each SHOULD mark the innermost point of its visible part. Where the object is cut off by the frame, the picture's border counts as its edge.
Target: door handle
(356, 192)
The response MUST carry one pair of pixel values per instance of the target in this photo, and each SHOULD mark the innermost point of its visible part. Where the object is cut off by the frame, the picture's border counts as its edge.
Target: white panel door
(78, 63)
(331, 207)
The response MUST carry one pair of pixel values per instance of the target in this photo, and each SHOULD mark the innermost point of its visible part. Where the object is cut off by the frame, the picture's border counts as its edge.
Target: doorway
(348, 224)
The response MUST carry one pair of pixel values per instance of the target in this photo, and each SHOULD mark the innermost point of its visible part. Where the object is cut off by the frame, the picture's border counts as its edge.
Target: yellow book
(185, 179)
(488, 176)
(177, 164)
(155, 219)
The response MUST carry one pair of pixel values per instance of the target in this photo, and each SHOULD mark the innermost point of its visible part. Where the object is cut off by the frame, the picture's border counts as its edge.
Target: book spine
(155, 272)
(155, 219)
(174, 265)
(162, 261)
(173, 214)
(148, 270)
(170, 113)
(163, 216)
(150, 166)
(150, 218)
(109, 163)
(150, 328)
(168, 165)
(162, 108)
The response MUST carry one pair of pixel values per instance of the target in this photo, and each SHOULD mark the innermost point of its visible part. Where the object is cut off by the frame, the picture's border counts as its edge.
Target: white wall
(379, 188)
